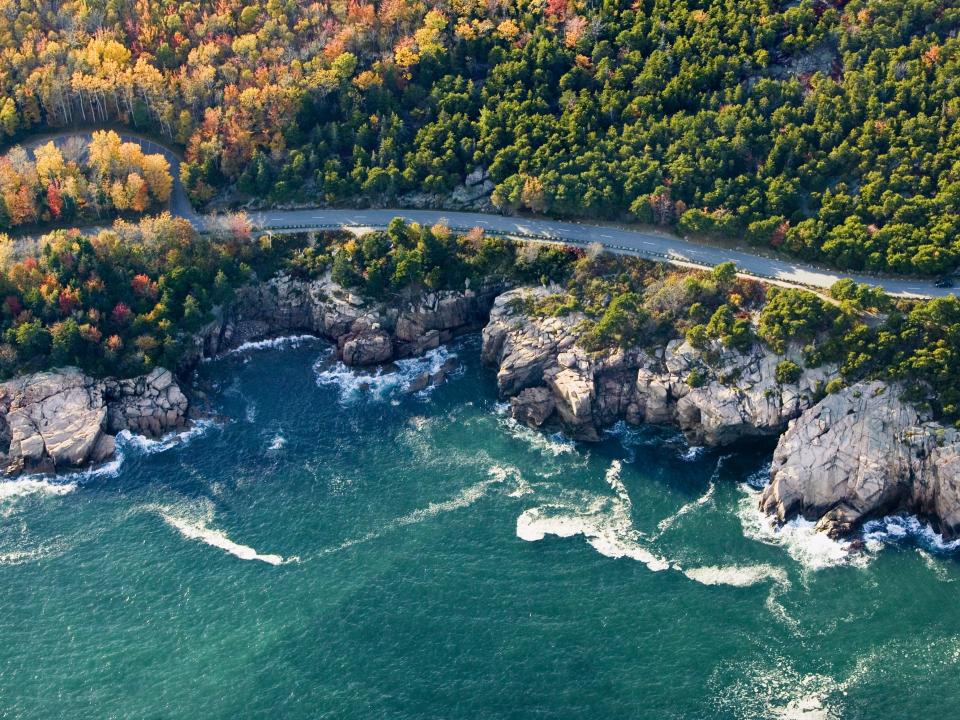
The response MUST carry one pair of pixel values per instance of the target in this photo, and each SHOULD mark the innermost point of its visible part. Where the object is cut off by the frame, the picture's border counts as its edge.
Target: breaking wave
(148, 446)
(901, 528)
(353, 383)
(811, 549)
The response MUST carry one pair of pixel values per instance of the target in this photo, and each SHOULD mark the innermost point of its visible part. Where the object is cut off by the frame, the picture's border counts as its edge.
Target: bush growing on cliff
(796, 316)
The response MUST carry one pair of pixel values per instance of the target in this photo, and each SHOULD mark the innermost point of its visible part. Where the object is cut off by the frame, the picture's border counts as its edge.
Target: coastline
(551, 384)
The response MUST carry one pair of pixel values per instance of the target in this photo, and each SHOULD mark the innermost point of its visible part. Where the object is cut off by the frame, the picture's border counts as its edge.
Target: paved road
(658, 246)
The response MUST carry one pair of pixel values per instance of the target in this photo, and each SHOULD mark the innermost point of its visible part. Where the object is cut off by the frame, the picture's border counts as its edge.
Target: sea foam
(353, 383)
(736, 575)
(604, 522)
(217, 539)
(271, 343)
(811, 549)
(193, 521)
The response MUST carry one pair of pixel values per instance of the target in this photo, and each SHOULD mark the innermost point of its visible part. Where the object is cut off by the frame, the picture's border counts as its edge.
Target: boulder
(66, 419)
(533, 406)
(366, 347)
(861, 453)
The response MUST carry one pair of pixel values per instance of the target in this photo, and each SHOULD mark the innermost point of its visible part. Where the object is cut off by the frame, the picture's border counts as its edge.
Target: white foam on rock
(353, 383)
(811, 549)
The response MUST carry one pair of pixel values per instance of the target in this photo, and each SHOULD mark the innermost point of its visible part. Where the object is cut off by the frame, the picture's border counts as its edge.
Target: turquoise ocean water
(331, 547)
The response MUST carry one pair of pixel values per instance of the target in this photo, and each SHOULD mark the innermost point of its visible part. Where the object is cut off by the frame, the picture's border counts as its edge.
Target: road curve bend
(659, 246)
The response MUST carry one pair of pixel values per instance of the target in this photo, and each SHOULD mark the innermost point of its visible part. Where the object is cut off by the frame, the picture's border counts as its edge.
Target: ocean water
(331, 547)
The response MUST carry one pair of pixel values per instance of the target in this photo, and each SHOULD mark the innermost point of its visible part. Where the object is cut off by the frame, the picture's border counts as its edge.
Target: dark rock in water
(366, 347)
(438, 378)
(419, 383)
(533, 406)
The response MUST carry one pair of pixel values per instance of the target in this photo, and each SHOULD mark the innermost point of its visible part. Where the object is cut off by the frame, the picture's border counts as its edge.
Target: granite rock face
(65, 419)
(717, 397)
(365, 332)
(861, 453)
(841, 458)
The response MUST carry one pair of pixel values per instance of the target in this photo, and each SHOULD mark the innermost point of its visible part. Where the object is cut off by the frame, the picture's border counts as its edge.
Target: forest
(80, 181)
(128, 299)
(822, 128)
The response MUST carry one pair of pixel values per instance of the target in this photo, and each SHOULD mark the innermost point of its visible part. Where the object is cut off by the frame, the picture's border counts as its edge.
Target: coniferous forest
(826, 129)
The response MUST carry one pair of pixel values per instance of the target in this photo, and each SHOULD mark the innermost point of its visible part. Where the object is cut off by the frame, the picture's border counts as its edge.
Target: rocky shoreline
(53, 421)
(840, 458)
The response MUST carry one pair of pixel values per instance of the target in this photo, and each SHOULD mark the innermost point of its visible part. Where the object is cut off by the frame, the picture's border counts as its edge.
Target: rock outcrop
(861, 453)
(65, 419)
(365, 332)
(717, 397)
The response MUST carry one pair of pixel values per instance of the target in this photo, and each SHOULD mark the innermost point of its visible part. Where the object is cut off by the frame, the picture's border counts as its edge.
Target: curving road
(625, 241)
(621, 240)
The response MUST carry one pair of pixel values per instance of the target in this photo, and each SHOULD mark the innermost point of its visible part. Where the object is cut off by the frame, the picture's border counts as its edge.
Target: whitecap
(353, 382)
(736, 575)
(278, 442)
(811, 549)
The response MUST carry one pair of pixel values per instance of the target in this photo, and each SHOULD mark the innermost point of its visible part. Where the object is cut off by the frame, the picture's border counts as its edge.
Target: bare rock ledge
(63, 419)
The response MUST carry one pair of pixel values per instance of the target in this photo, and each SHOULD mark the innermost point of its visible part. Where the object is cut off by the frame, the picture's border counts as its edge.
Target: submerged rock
(65, 419)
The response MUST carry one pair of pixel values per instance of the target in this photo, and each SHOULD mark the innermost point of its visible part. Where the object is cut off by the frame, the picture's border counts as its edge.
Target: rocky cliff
(717, 396)
(50, 421)
(863, 452)
(365, 332)
(841, 459)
